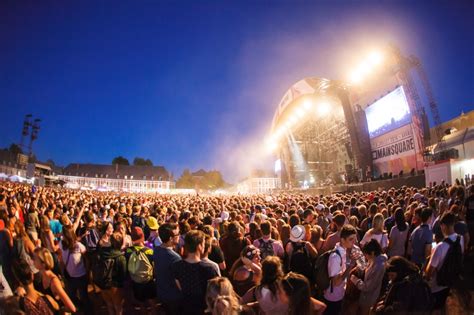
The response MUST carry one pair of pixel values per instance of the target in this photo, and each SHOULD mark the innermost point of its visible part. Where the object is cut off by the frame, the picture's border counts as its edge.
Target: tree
(120, 160)
(186, 180)
(209, 181)
(15, 149)
(138, 161)
(213, 180)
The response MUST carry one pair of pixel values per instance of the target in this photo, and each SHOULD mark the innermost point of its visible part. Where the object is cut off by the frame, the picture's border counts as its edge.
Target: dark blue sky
(195, 84)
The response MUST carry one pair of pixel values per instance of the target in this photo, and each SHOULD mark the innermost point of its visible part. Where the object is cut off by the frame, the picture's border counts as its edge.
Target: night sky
(195, 84)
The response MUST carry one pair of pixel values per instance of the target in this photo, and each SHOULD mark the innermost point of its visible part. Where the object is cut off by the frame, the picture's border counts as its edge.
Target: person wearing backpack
(338, 269)
(267, 245)
(333, 238)
(407, 292)
(445, 266)
(109, 274)
(140, 267)
(300, 253)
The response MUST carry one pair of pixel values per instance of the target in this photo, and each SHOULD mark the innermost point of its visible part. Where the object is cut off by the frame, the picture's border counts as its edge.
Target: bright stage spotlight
(323, 108)
(375, 58)
(307, 104)
(367, 66)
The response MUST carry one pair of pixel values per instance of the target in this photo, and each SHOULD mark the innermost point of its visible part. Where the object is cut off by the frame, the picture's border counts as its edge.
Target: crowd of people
(400, 251)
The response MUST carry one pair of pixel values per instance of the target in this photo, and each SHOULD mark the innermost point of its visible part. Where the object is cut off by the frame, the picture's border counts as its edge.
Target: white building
(258, 185)
(130, 178)
(451, 169)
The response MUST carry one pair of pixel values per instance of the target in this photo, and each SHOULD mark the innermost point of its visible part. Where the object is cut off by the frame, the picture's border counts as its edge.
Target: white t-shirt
(382, 239)
(75, 266)
(335, 268)
(5, 290)
(437, 259)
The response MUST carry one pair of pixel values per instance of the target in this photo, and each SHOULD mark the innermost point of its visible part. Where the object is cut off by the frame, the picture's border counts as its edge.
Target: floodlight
(307, 104)
(323, 108)
(375, 58)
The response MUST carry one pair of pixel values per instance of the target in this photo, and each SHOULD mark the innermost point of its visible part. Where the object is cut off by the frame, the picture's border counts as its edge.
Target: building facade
(128, 178)
(259, 185)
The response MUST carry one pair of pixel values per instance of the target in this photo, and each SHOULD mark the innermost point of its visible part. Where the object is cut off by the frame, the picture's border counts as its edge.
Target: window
(131, 176)
(144, 177)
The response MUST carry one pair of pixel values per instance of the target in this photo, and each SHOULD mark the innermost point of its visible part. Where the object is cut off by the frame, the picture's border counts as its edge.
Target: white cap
(297, 233)
(225, 215)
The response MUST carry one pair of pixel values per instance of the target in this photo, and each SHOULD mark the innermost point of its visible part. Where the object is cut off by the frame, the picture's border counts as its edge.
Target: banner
(394, 151)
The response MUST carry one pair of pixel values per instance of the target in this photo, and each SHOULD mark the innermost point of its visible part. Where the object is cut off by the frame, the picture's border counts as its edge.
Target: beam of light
(296, 154)
(374, 59)
(271, 145)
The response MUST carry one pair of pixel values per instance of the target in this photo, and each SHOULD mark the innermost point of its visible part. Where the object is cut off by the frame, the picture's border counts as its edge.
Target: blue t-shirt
(166, 289)
(420, 237)
(55, 226)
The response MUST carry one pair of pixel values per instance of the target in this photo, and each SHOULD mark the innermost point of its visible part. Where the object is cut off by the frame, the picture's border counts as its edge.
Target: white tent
(15, 178)
(3, 176)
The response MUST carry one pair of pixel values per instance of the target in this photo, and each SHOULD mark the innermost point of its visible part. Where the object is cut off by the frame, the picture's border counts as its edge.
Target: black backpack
(450, 272)
(103, 272)
(411, 295)
(300, 261)
(266, 248)
(321, 270)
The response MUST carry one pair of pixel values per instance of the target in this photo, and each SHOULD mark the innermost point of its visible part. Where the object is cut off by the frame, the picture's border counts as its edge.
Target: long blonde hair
(221, 297)
(377, 223)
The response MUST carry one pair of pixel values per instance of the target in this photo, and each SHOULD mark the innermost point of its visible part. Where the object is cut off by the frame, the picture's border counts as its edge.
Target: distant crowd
(397, 251)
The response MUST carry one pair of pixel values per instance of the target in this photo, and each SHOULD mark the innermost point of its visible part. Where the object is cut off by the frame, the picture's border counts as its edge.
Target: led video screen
(388, 113)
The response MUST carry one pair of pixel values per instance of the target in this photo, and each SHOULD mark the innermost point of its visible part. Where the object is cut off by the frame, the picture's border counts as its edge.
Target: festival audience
(279, 254)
